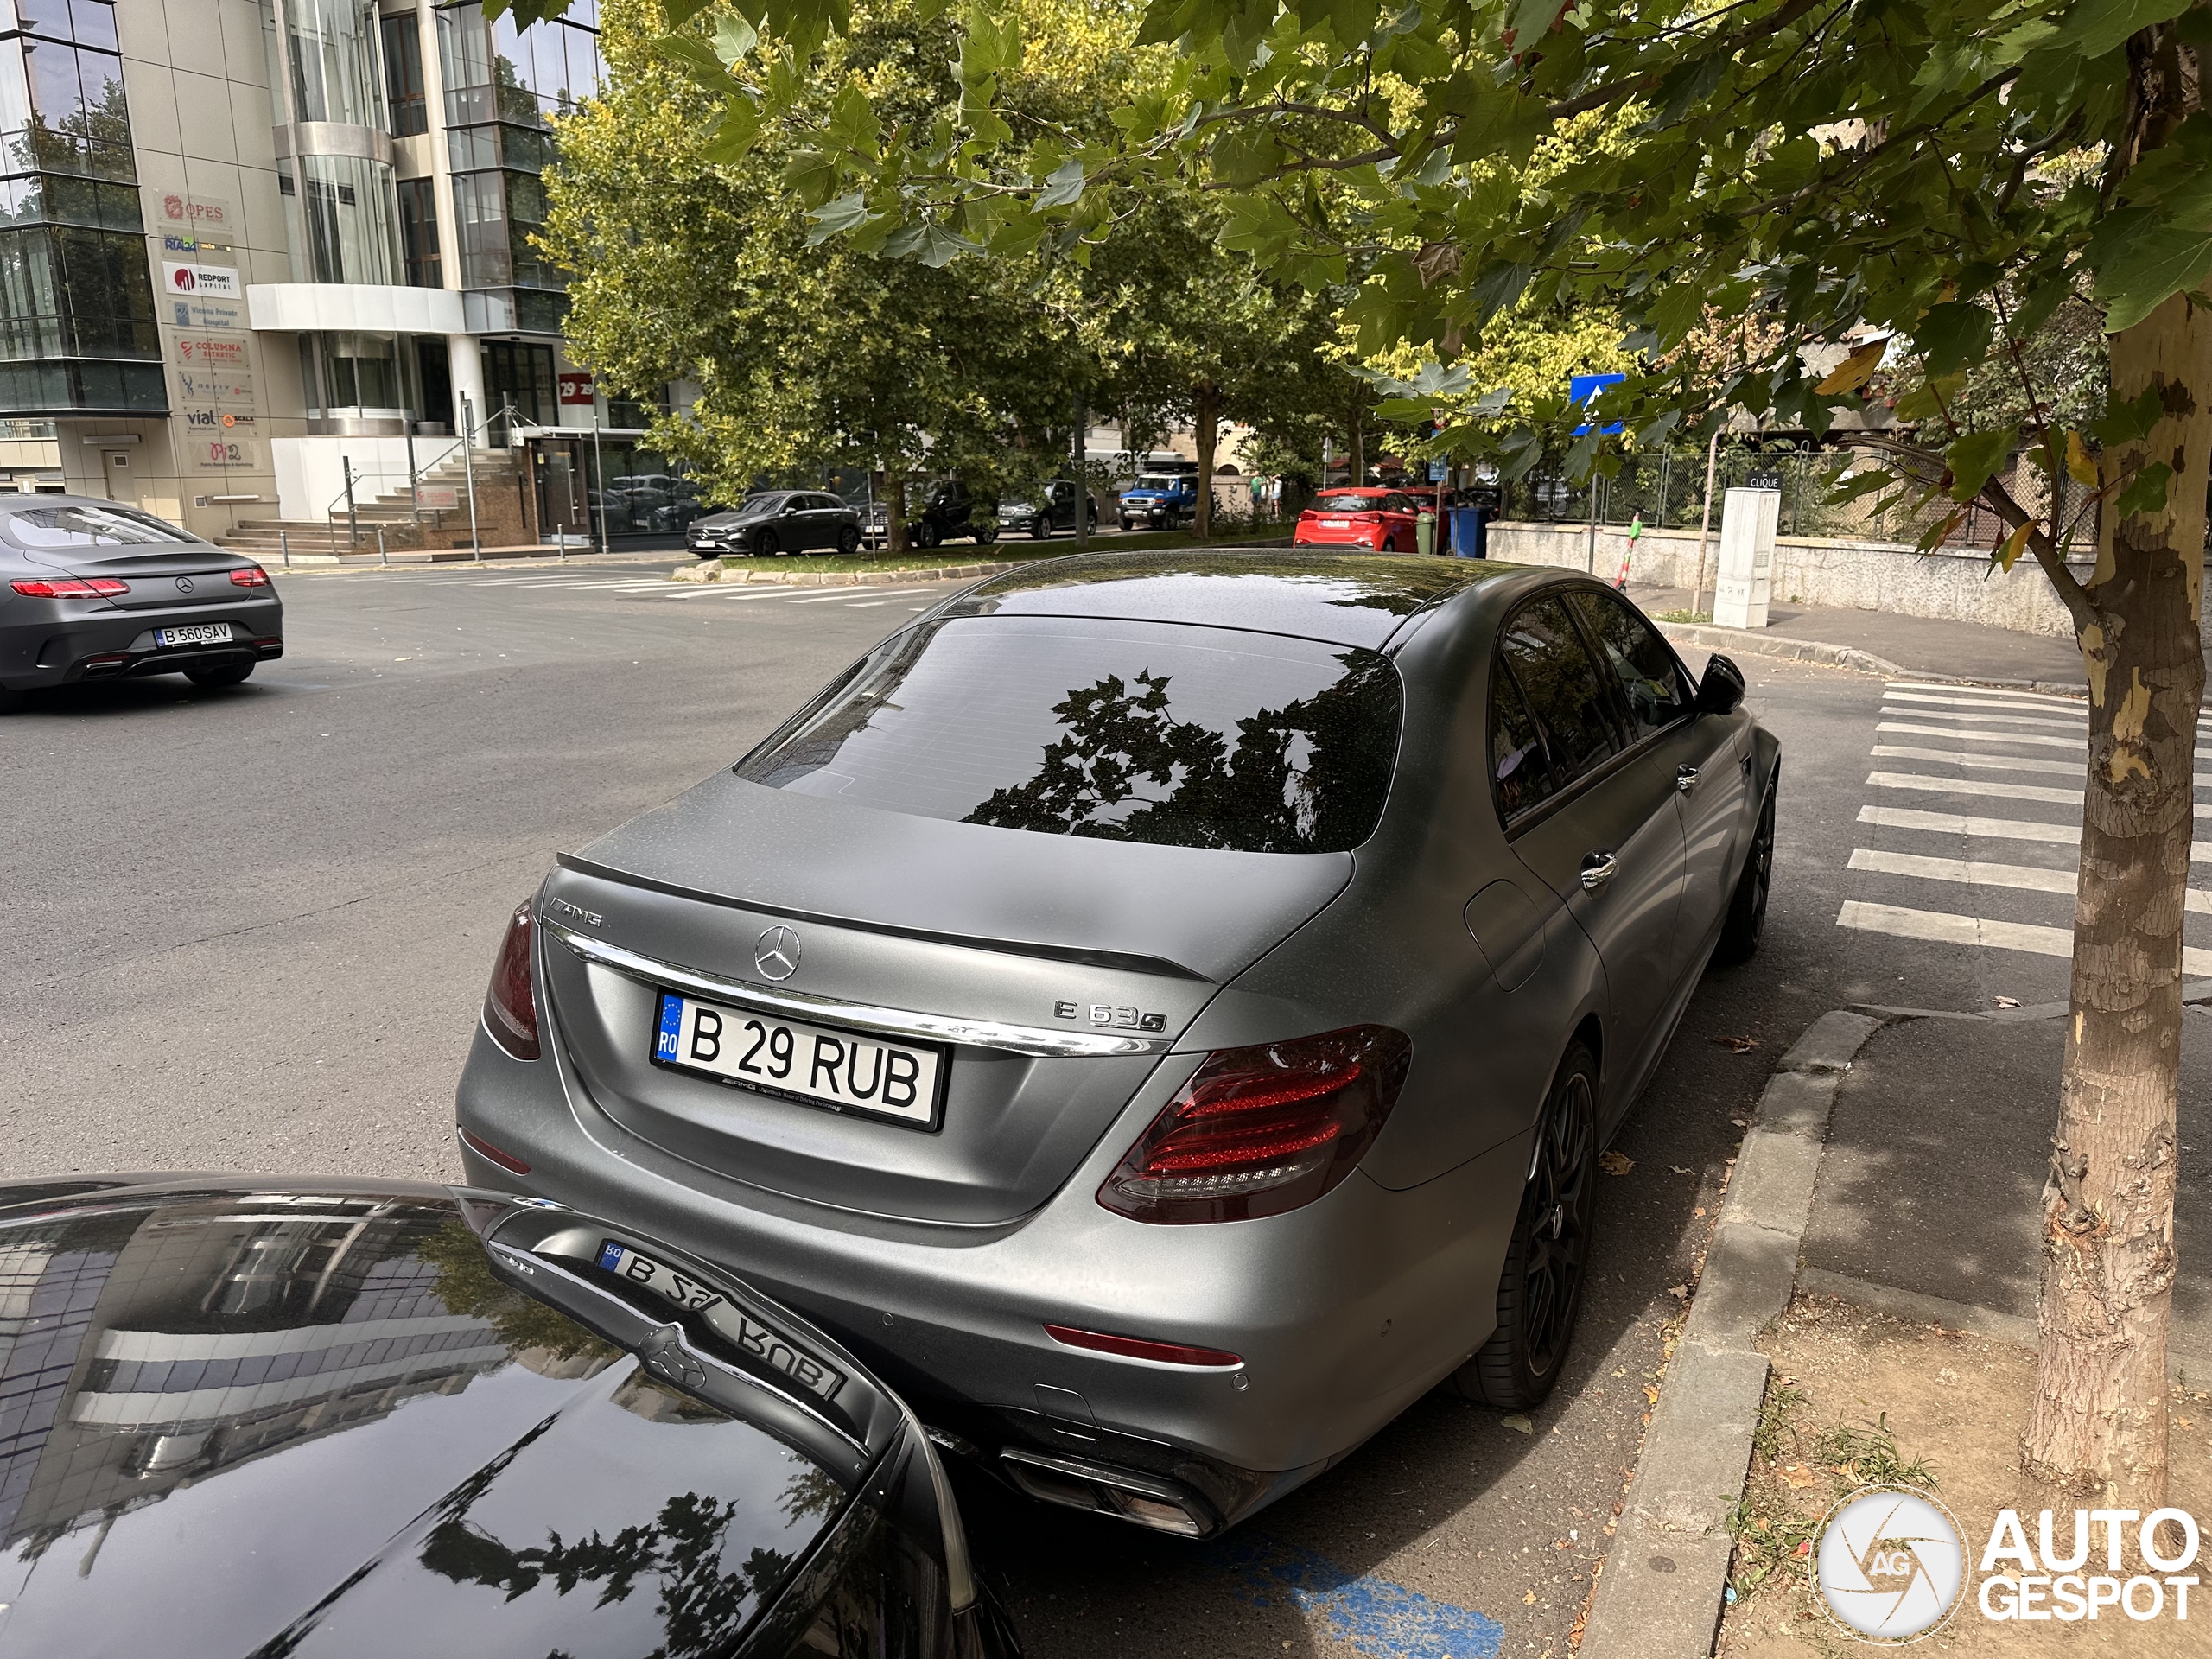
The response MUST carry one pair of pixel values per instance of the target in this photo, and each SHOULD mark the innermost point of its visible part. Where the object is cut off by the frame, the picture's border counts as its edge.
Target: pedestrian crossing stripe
(1987, 717)
(1941, 927)
(1979, 873)
(2079, 711)
(2023, 740)
(1995, 762)
(1954, 823)
(1989, 787)
(1983, 693)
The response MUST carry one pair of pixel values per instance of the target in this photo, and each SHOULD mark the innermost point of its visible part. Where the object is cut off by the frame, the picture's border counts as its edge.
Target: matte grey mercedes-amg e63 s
(1162, 1011)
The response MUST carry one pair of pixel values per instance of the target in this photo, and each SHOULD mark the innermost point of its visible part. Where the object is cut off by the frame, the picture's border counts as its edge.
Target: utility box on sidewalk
(1748, 518)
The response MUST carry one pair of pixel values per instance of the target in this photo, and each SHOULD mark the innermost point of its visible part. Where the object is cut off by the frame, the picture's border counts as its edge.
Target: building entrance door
(121, 479)
(563, 499)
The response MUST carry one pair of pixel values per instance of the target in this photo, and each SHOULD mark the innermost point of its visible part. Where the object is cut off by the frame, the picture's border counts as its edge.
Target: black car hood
(264, 1419)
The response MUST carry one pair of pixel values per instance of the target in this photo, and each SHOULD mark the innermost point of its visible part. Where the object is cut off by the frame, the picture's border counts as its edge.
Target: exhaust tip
(1142, 1500)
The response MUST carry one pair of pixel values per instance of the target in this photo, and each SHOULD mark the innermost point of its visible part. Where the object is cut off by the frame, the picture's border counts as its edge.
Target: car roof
(1361, 489)
(1344, 598)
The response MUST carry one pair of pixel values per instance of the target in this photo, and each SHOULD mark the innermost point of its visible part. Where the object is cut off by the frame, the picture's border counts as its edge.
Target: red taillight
(70, 588)
(251, 577)
(506, 1160)
(1257, 1131)
(1166, 1353)
(510, 1006)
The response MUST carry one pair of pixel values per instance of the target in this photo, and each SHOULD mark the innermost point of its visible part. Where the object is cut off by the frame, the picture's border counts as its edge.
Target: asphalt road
(250, 929)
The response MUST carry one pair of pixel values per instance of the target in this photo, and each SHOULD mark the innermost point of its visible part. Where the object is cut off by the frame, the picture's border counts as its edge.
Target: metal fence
(1668, 490)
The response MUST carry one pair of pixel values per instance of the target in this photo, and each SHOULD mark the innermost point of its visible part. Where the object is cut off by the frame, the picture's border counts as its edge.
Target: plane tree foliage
(1838, 190)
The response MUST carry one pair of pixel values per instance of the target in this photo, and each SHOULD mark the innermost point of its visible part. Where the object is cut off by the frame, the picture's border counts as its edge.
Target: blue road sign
(1582, 388)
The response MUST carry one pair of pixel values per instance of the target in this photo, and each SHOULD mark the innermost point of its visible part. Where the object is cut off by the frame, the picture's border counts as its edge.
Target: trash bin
(1470, 532)
(1425, 532)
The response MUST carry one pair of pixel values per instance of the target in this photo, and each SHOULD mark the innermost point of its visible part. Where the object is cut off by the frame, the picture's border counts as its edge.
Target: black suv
(1049, 507)
(949, 512)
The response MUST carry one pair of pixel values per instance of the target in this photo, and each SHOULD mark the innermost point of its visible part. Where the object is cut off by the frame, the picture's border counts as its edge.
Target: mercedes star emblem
(776, 955)
(664, 1351)
(184, 584)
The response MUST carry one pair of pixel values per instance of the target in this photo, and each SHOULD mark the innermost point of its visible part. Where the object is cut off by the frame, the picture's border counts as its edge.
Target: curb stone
(1668, 1564)
(1709, 638)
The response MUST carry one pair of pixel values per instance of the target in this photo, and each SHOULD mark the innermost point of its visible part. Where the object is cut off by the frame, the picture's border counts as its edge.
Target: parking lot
(257, 936)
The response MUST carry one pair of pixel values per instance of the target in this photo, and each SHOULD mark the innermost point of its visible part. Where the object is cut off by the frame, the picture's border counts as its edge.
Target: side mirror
(1721, 689)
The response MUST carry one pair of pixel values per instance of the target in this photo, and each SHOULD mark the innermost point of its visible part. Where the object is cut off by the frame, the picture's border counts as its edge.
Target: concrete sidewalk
(1915, 645)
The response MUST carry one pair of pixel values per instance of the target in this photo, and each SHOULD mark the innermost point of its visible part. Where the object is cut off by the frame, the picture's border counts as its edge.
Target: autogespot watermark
(1893, 1565)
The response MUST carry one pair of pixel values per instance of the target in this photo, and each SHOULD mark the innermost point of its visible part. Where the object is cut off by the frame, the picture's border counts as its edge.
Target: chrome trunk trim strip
(1039, 1040)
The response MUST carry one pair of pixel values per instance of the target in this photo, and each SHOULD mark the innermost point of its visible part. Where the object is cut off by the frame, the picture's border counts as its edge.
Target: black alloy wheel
(985, 534)
(764, 545)
(925, 535)
(1128, 522)
(1739, 934)
(848, 541)
(1540, 1291)
(228, 674)
(1040, 527)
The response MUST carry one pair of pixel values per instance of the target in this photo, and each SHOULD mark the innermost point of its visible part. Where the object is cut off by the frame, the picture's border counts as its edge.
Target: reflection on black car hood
(1347, 599)
(317, 1421)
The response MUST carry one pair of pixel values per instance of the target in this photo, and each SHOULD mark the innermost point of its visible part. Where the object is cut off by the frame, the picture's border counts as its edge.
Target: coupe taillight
(1257, 1131)
(510, 1006)
(250, 575)
(70, 588)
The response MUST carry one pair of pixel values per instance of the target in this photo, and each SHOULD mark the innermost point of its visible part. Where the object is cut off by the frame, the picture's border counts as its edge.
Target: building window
(350, 219)
(77, 327)
(334, 61)
(418, 233)
(402, 75)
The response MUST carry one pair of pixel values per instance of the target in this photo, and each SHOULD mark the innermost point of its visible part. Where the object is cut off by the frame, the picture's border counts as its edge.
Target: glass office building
(251, 250)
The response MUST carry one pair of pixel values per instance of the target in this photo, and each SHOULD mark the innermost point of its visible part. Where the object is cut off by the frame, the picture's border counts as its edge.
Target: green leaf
(697, 59)
(734, 137)
(1931, 398)
(2008, 551)
(733, 36)
(1954, 336)
(2128, 423)
(846, 212)
(1063, 185)
(2095, 27)
(811, 176)
(2146, 491)
(1974, 459)
(2156, 263)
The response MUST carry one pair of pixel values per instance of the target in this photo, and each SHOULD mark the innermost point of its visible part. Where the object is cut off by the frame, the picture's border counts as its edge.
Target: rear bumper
(1343, 1312)
(65, 646)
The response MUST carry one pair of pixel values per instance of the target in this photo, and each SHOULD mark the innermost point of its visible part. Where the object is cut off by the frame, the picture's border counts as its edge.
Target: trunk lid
(919, 917)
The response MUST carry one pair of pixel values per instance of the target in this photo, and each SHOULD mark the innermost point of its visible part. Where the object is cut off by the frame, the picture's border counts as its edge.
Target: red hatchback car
(1361, 518)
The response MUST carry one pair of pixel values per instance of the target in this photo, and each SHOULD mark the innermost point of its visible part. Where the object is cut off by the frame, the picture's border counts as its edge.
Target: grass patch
(1684, 616)
(1006, 550)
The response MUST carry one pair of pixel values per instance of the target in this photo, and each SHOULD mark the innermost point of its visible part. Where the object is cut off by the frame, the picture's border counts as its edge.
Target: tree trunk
(1358, 447)
(894, 502)
(2100, 1420)
(1208, 425)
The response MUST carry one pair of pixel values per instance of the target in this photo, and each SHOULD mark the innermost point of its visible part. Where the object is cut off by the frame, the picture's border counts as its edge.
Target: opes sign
(198, 213)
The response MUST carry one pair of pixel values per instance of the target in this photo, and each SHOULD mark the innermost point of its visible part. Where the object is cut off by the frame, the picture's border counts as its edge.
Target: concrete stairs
(321, 540)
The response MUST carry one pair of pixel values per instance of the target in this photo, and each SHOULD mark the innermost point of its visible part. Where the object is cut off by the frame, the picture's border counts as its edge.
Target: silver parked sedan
(1163, 1011)
(91, 589)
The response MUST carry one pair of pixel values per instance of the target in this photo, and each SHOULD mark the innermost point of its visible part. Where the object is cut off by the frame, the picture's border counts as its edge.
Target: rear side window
(1520, 775)
(1650, 679)
(1122, 731)
(88, 526)
(1561, 684)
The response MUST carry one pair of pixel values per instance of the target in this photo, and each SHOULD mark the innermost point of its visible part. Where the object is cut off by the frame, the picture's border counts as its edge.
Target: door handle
(1686, 779)
(1598, 869)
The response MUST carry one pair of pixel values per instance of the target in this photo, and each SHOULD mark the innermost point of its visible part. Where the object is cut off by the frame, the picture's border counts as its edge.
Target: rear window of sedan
(87, 526)
(1347, 503)
(1122, 731)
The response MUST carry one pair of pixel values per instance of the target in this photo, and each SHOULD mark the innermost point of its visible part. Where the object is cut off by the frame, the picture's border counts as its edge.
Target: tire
(985, 534)
(1040, 528)
(848, 541)
(925, 536)
(764, 545)
(1539, 1287)
(1739, 933)
(1128, 523)
(229, 674)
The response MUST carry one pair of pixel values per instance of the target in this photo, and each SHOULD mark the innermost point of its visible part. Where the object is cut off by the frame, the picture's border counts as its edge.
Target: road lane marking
(1952, 824)
(2023, 739)
(830, 598)
(2078, 710)
(1975, 786)
(1996, 762)
(1979, 692)
(1977, 873)
(1987, 717)
(1942, 927)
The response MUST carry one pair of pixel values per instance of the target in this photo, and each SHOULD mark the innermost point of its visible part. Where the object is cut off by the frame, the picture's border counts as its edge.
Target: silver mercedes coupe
(1161, 1010)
